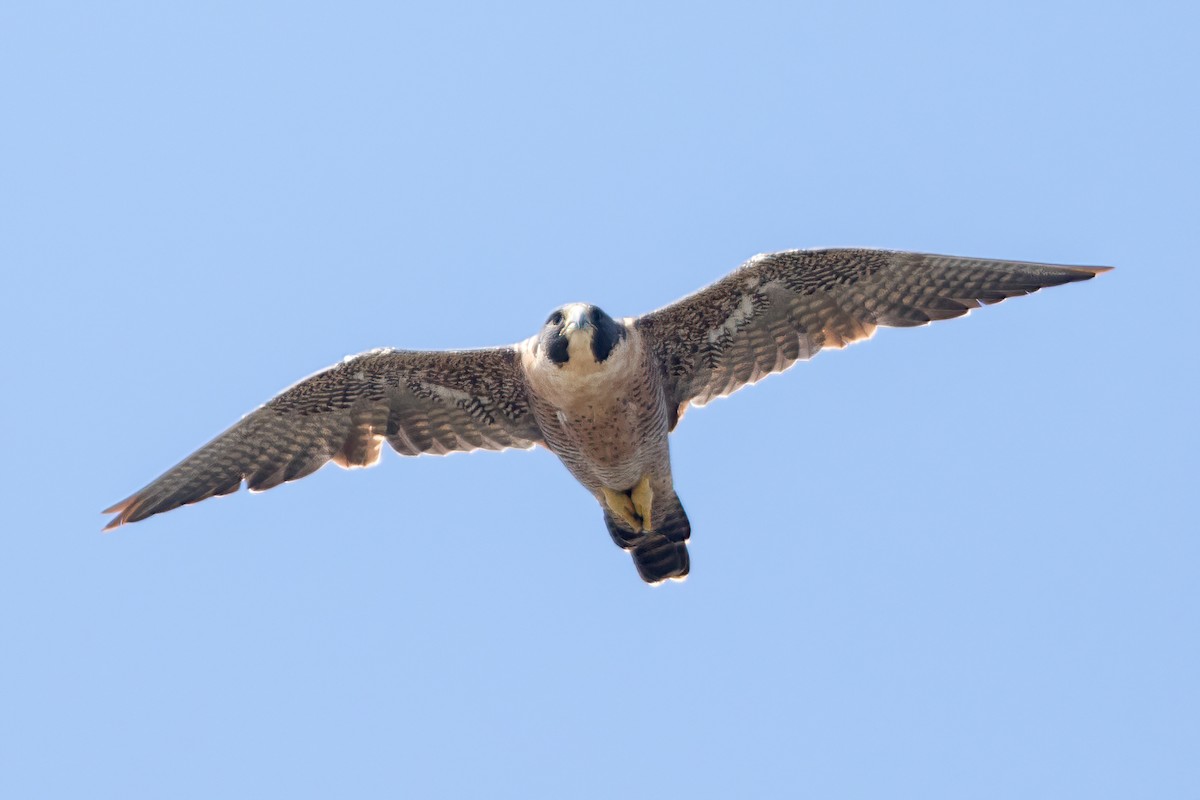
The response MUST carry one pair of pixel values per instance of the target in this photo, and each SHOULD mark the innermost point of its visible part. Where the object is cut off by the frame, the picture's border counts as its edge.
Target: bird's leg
(643, 499)
(621, 504)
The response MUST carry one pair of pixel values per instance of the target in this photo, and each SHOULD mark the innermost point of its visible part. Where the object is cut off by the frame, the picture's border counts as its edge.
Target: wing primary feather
(426, 402)
(783, 307)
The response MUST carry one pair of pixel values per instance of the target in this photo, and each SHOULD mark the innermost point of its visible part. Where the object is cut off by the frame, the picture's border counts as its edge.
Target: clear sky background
(957, 561)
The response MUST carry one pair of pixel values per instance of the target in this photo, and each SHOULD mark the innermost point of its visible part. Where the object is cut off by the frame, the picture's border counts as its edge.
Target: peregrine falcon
(600, 393)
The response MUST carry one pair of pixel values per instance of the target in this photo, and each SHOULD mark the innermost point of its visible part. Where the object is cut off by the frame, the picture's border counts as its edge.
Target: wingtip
(121, 509)
(1083, 273)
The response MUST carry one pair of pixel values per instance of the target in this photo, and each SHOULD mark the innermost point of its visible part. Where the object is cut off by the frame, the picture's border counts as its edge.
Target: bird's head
(580, 334)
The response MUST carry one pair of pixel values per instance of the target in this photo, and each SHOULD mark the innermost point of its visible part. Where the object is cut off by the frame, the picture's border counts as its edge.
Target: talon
(643, 501)
(621, 505)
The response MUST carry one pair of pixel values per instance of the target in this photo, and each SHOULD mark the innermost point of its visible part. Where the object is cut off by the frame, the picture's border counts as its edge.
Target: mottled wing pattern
(783, 307)
(419, 402)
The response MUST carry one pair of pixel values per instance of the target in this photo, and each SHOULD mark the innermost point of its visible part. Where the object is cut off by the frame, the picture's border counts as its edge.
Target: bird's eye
(555, 319)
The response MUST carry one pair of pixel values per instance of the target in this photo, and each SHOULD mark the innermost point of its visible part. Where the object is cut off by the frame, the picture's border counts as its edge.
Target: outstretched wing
(420, 402)
(779, 308)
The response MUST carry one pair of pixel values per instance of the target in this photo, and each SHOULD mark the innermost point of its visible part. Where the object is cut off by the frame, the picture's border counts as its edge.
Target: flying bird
(602, 394)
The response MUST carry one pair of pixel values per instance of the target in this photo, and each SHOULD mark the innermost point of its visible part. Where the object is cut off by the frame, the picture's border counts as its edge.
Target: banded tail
(660, 554)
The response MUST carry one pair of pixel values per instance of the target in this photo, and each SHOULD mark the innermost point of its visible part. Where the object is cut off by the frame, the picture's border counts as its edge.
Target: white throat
(582, 374)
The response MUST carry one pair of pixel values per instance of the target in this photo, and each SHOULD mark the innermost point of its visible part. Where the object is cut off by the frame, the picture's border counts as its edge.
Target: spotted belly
(611, 452)
(611, 447)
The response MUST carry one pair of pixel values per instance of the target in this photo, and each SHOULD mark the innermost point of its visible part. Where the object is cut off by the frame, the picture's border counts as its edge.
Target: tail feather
(660, 554)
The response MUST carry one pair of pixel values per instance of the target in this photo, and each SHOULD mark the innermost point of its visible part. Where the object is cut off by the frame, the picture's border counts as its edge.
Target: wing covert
(418, 402)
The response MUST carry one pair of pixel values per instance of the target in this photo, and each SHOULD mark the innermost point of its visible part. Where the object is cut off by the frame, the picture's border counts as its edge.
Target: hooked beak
(575, 321)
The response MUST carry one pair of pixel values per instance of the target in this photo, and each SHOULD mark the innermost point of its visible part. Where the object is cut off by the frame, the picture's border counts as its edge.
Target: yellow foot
(643, 500)
(622, 505)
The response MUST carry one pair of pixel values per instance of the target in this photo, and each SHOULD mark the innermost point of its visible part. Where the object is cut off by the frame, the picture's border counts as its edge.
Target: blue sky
(957, 561)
